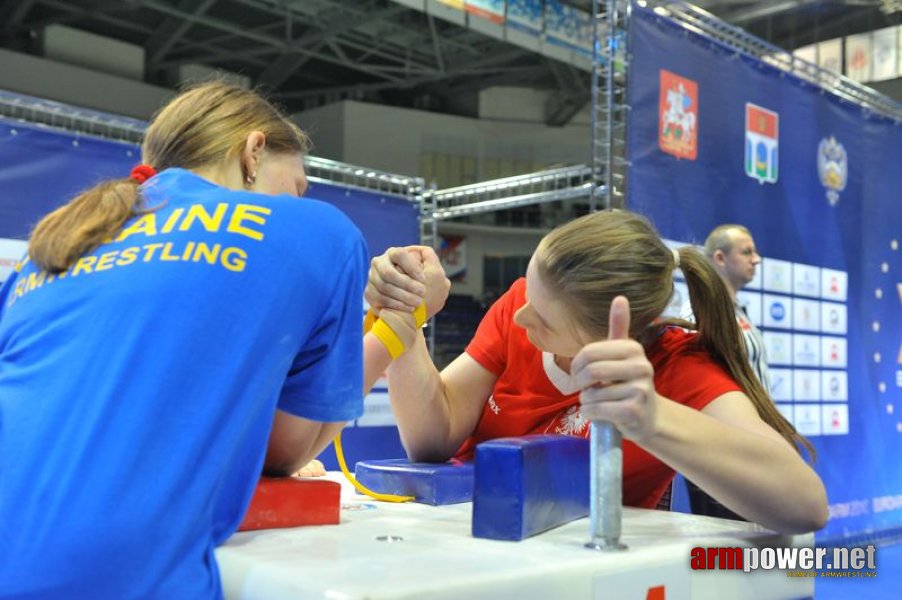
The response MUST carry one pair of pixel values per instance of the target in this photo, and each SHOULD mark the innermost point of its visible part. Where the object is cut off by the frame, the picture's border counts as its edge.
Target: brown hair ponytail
(720, 336)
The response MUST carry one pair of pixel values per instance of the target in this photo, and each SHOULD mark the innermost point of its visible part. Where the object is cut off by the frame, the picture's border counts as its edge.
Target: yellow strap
(389, 338)
(340, 455)
(368, 321)
(420, 314)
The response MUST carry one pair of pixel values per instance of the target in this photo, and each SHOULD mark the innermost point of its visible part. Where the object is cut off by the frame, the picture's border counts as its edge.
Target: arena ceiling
(312, 52)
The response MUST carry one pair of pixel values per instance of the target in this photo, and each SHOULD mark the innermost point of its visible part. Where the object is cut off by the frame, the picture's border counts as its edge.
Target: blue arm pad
(429, 483)
(530, 484)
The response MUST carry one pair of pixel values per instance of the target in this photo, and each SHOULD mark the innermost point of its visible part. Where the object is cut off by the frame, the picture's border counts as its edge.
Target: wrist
(655, 431)
(396, 330)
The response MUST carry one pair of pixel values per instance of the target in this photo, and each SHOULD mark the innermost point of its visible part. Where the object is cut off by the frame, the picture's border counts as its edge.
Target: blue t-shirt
(137, 391)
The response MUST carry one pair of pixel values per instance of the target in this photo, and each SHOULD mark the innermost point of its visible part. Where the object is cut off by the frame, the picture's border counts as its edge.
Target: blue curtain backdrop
(844, 217)
(44, 167)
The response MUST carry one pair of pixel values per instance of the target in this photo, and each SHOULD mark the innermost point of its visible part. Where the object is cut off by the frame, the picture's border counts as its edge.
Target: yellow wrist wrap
(386, 334)
(389, 338)
(368, 321)
(420, 314)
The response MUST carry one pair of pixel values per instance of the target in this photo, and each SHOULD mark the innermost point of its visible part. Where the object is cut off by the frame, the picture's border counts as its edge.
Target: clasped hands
(400, 280)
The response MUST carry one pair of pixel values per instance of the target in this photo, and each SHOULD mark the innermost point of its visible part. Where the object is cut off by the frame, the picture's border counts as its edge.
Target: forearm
(376, 360)
(420, 406)
(761, 478)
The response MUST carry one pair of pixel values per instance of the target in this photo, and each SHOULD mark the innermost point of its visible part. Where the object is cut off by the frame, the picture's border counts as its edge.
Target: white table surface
(433, 555)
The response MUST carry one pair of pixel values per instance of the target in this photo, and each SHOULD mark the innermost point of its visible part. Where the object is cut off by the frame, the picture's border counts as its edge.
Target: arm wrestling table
(415, 551)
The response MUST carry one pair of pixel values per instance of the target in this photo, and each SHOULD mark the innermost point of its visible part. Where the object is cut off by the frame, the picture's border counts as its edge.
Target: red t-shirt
(526, 401)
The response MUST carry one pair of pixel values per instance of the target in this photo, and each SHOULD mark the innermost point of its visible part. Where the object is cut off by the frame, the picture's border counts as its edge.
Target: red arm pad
(292, 502)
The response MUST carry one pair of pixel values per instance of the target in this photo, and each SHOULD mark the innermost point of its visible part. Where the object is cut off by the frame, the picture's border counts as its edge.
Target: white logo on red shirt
(570, 423)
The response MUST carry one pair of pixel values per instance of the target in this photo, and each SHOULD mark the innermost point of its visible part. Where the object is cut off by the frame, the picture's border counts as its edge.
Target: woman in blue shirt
(163, 328)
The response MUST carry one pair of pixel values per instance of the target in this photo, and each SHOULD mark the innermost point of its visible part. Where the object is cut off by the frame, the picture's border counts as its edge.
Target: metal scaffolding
(362, 178)
(74, 119)
(610, 111)
(512, 192)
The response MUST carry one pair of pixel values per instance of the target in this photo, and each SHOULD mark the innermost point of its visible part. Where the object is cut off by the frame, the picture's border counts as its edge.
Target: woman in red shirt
(579, 339)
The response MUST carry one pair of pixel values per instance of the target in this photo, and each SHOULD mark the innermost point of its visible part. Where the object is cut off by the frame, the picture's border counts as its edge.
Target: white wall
(402, 140)
(325, 126)
(513, 104)
(508, 103)
(85, 49)
(54, 80)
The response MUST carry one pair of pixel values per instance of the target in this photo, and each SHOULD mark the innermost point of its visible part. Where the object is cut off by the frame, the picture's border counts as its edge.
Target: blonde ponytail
(93, 217)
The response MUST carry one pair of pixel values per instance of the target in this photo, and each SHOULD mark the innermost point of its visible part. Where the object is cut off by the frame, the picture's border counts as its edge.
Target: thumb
(619, 319)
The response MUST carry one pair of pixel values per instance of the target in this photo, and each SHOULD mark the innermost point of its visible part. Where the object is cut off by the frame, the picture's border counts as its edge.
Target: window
(499, 272)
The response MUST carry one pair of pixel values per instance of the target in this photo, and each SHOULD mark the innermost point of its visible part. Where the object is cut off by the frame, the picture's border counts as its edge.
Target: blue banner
(718, 137)
(43, 168)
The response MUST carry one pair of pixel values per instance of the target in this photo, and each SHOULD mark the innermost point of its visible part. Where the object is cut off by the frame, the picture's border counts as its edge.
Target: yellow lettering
(246, 212)
(35, 280)
(172, 220)
(146, 225)
(209, 254)
(209, 222)
(234, 259)
(84, 264)
(19, 290)
(189, 248)
(21, 264)
(128, 256)
(106, 261)
(167, 253)
(149, 250)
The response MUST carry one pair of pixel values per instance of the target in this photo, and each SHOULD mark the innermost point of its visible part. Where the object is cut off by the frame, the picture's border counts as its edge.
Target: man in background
(732, 252)
(731, 249)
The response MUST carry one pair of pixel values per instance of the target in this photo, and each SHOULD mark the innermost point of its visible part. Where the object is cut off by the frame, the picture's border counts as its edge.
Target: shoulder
(309, 224)
(684, 371)
(678, 352)
(314, 212)
(673, 345)
(510, 301)
(672, 338)
(497, 335)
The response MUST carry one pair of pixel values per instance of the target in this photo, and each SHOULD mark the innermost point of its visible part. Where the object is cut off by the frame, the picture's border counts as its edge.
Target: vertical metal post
(429, 237)
(610, 68)
(595, 124)
(609, 115)
(606, 487)
(436, 245)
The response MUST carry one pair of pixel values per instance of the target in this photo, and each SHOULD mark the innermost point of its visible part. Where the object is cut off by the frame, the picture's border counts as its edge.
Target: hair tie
(142, 173)
(676, 258)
